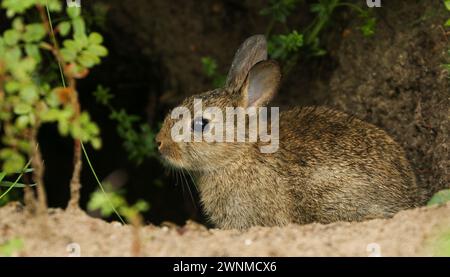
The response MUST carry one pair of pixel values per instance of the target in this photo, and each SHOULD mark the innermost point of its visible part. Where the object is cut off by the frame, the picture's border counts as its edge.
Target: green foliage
(14, 184)
(441, 197)
(14, 7)
(29, 96)
(84, 51)
(283, 46)
(96, 14)
(210, 70)
(11, 247)
(447, 4)
(10, 196)
(4, 195)
(106, 201)
(287, 47)
(368, 29)
(138, 142)
(279, 10)
(439, 244)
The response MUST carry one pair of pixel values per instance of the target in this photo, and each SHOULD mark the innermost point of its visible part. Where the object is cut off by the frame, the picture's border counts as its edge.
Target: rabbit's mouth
(169, 161)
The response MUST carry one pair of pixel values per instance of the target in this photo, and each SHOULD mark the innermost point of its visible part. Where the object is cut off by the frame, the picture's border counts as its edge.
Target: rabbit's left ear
(261, 84)
(251, 51)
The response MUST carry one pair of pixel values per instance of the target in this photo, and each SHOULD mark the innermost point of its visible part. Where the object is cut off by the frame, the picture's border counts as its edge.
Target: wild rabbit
(329, 166)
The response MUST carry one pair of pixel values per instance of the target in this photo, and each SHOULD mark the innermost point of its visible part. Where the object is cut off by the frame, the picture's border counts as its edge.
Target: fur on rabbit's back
(343, 168)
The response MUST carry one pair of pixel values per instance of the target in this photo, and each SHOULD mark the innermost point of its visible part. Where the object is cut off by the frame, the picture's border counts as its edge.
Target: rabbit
(329, 167)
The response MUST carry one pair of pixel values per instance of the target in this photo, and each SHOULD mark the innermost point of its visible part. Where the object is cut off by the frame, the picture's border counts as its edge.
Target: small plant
(282, 47)
(439, 246)
(11, 247)
(210, 69)
(5, 196)
(278, 11)
(108, 202)
(140, 144)
(439, 198)
(30, 96)
(447, 6)
(286, 47)
(368, 27)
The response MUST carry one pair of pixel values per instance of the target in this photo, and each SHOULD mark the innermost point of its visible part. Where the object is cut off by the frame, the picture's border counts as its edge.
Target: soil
(410, 233)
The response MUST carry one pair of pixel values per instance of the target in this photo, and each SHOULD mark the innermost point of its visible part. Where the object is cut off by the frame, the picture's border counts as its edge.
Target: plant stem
(269, 28)
(136, 247)
(321, 22)
(29, 199)
(38, 172)
(75, 184)
(317, 26)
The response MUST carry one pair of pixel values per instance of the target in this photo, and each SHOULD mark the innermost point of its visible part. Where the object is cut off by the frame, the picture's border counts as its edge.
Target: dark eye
(199, 124)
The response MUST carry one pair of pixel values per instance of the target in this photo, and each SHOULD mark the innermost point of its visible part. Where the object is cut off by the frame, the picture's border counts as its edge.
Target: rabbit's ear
(252, 51)
(261, 84)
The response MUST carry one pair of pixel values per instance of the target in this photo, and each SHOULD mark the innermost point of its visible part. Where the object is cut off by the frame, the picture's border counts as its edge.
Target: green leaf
(71, 45)
(12, 86)
(73, 12)
(17, 24)
(79, 27)
(14, 6)
(447, 4)
(88, 60)
(440, 197)
(13, 161)
(34, 32)
(96, 143)
(447, 23)
(22, 121)
(105, 202)
(32, 50)
(29, 94)
(368, 29)
(22, 108)
(63, 127)
(11, 36)
(81, 40)
(141, 206)
(283, 46)
(95, 38)
(102, 95)
(10, 247)
(64, 28)
(53, 5)
(279, 10)
(16, 185)
(209, 66)
(98, 50)
(69, 55)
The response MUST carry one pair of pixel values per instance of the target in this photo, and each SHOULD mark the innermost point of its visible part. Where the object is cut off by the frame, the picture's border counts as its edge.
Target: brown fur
(329, 166)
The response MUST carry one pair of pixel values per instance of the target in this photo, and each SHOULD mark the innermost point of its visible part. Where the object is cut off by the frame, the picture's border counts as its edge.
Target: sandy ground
(410, 233)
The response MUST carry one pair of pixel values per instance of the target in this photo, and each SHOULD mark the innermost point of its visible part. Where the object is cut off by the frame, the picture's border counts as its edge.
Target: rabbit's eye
(200, 124)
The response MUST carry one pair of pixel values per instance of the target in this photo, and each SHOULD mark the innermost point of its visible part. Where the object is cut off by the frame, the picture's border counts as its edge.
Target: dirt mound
(409, 233)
